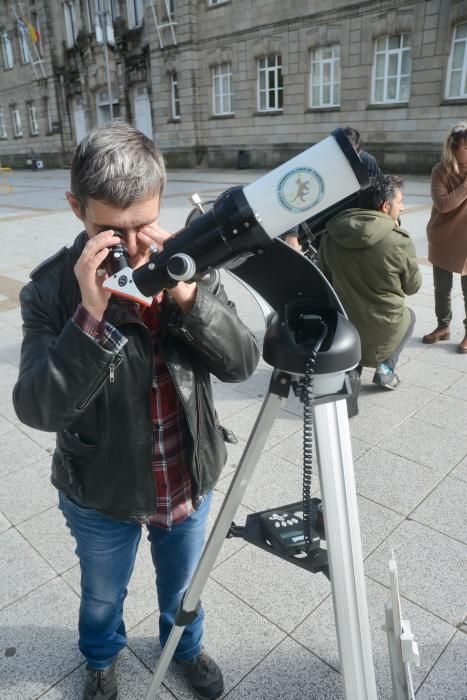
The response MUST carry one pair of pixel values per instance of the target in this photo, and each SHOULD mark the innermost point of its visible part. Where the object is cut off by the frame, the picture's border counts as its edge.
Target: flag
(33, 33)
(22, 27)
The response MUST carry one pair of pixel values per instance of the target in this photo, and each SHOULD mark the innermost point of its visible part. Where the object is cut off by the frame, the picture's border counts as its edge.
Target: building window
(3, 134)
(325, 77)
(270, 84)
(174, 96)
(457, 68)
(7, 51)
(391, 71)
(70, 23)
(222, 96)
(33, 123)
(135, 13)
(16, 119)
(216, 2)
(103, 107)
(47, 115)
(23, 42)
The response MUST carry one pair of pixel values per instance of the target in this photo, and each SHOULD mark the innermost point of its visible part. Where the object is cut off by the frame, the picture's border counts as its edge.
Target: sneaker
(203, 676)
(101, 684)
(386, 377)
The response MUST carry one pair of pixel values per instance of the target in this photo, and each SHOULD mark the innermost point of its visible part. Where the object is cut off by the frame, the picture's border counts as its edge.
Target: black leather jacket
(98, 401)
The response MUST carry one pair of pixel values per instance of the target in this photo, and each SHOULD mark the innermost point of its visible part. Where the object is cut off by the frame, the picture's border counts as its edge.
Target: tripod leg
(337, 481)
(250, 457)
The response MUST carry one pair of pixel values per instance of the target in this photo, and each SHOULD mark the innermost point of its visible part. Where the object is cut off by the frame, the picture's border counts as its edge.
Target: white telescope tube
(303, 186)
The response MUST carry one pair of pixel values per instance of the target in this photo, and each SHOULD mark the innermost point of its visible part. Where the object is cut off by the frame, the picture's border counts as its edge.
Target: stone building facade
(236, 82)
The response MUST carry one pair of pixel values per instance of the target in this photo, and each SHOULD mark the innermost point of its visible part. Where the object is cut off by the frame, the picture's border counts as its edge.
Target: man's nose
(131, 241)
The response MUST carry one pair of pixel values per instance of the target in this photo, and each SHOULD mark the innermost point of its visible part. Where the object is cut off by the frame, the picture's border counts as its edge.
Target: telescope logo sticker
(300, 189)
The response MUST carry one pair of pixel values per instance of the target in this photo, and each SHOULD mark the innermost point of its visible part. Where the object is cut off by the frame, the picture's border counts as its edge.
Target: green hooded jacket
(372, 265)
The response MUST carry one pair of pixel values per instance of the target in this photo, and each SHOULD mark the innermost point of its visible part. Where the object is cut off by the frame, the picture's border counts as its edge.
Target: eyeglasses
(459, 130)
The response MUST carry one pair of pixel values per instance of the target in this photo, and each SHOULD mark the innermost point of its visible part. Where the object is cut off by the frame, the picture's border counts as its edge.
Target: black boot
(101, 684)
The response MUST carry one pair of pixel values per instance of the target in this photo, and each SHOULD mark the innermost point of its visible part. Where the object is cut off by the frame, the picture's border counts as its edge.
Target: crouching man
(371, 263)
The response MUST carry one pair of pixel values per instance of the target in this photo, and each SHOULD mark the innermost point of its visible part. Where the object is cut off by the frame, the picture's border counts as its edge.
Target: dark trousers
(393, 358)
(442, 280)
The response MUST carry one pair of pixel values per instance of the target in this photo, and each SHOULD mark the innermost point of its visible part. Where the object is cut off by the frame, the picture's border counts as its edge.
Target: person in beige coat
(447, 231)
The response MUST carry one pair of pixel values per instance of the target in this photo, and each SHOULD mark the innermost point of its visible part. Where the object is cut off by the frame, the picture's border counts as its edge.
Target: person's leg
(462, 347)
(393, 358)
(442, 280)
(107, 550)
(175, 554)
(385, 374)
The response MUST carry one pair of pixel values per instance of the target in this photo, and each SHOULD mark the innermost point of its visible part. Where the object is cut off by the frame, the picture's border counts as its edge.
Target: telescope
(244, 220)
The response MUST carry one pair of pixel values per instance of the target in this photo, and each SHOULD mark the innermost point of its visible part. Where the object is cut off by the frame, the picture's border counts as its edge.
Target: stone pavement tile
(10, 349)
(22, 568)
(41, 631)
(430, 566)
(43, 438)
(5, 425)
(8, 377)
(258, 384)
(448, 679)
(429, 376)
(12, 317)
(376, 523)
(6, 405)
(426, 444)
(423, 298)
(133, 682)
(274, 482)
(445, 412)
(445, 509)
(234, 453)
(406, 400)
(49, 535)
(460, 471)
(318, 634)
(18, 450)
(422, 312)
(237, 637)
(228, 401)
(374, 422)
(459, 389)
(393, 481)
(141, 600)
(231, 544)
(27, 491)
(282, 592)
(285, 424)
(4, 523)
(290, 672)
(446, 355)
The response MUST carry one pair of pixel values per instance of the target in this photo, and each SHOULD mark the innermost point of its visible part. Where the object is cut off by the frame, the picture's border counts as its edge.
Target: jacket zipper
(101, 381)
(203, 348)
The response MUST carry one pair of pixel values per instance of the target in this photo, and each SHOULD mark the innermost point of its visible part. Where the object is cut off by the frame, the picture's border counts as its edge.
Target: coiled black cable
(308, 401)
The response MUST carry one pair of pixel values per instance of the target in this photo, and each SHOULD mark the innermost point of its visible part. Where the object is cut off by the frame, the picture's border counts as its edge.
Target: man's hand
(90, 280)
(184, 293)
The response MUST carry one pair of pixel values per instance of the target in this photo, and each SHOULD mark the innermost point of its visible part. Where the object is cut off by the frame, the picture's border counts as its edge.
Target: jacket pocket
(72, 444)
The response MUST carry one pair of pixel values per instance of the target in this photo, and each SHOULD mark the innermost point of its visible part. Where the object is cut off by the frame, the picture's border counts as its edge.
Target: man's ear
(386, 207)
(75, 205)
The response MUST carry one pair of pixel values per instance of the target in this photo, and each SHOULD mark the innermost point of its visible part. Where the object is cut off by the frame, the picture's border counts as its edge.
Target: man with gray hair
(128, 393)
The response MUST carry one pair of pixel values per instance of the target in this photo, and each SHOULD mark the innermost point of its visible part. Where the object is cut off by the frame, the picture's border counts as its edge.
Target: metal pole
(102, 14)
(264, 422)
(342, 529)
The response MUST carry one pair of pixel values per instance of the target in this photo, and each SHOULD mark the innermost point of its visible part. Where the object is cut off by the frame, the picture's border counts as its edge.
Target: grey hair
(117, 164)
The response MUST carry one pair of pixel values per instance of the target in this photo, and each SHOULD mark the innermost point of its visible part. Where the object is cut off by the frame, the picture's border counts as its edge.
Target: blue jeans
(107, 550)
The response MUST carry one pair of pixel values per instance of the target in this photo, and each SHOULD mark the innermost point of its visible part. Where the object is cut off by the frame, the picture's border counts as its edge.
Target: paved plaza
(269, 624)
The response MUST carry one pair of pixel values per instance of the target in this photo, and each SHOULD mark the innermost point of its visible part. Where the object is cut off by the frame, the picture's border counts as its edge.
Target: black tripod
(292, 332)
